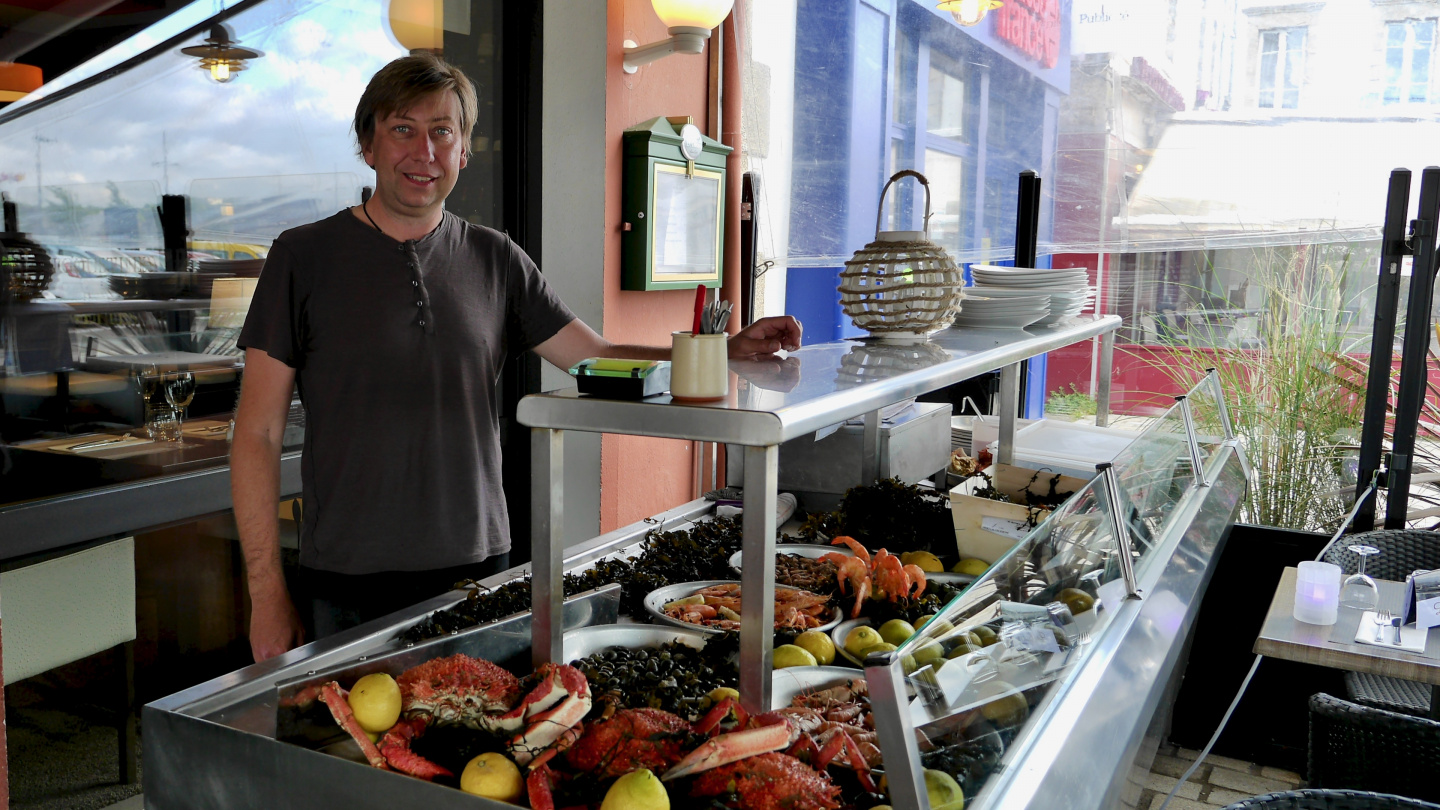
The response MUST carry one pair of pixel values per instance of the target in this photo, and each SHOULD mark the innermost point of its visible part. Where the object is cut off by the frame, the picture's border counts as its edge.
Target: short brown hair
(400, 84)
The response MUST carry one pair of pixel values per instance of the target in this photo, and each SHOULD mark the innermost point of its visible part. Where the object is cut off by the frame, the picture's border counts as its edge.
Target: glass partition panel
(1208, 412)
(1153, 472)
(984, 662)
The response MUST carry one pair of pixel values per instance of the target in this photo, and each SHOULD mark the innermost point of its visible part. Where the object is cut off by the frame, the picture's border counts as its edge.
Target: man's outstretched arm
(255, 489)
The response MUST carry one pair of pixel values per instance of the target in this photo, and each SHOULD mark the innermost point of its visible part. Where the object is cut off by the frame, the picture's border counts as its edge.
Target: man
(394, 318)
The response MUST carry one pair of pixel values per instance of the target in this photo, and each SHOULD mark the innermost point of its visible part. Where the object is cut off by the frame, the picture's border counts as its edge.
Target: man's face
(417, 155)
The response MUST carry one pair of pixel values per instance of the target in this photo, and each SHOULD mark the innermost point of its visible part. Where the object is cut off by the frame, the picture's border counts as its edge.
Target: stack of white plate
(960, 433)
(1067, 289)
(982, 312)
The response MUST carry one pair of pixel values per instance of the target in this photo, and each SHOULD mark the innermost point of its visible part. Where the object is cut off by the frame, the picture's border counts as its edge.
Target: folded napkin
(1412, 639)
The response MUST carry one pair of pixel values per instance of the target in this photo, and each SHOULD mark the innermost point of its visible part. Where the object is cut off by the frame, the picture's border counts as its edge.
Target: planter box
(985, 529)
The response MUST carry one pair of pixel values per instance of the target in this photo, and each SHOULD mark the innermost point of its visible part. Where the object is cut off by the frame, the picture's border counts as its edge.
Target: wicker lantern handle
(896, 176)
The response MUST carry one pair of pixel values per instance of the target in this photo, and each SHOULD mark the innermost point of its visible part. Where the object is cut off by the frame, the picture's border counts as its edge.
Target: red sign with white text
(1032, 27)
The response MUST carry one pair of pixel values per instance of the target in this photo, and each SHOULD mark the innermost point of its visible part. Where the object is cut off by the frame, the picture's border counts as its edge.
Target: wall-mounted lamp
(690, 23)
(221, 55)
(18, 81)
(969, 12)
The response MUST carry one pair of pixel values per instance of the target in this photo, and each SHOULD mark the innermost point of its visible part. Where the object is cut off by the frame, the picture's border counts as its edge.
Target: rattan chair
(1401, 551)
(1330, 800)
(1356, 747)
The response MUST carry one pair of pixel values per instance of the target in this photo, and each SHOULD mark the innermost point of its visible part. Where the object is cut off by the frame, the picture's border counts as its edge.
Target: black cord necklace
(365, 206)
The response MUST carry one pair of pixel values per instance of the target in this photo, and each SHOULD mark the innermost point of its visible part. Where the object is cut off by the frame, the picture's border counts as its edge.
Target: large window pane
(946, 198)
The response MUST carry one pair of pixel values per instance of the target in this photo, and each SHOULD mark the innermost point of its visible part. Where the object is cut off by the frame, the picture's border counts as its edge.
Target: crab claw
(395, 745)
(554, 727)
(335, 696)
(860, 551)
(732, 747)
(713, 718)
(538, 786)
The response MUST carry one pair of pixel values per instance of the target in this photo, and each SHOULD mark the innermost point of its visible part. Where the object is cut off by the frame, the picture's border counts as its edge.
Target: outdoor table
(1283, 637)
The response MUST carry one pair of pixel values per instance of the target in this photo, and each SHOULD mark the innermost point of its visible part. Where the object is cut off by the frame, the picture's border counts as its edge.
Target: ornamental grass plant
(1289, 390)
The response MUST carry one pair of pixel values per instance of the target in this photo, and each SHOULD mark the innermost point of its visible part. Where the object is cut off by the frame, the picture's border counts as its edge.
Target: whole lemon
(923, 560)
(493, 776)
(861, 638)
(819, 645)
(971, 566)
(789, 655)
(637, 790)
(375, 700)
(928, 653)
(896, 631)
(719, 693)
(1077, 600)
(943, 790)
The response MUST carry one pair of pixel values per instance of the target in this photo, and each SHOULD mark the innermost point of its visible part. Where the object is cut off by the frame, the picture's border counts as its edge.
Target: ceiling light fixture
(18, 81)
(690, 23)
(221, 55)
(969, 12)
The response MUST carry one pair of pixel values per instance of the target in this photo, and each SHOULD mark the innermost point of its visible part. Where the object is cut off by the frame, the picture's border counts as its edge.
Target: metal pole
(1009, 403)
(1123, 542)
(890, 707)
(757, 579)
(1214, 376)
(547, 545)
(1382, 342)
(1413, 372)
(1102, 382)
(1196, 460)
(870, 450)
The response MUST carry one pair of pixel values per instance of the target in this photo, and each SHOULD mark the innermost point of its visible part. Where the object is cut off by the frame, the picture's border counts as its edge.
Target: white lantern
(902, 287)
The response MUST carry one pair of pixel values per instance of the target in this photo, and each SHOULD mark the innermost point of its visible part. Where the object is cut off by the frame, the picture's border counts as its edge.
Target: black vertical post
(12, 219)
(749, 230)
(1027, 219)
(1382, 343)
(175, 226)
(1413, 371)
(1027, 239)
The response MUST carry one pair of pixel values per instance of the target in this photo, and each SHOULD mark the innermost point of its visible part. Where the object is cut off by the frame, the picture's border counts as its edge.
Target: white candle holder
(1317, 593)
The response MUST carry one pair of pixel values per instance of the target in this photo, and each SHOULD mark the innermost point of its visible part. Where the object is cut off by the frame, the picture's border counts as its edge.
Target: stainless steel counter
(771, 402)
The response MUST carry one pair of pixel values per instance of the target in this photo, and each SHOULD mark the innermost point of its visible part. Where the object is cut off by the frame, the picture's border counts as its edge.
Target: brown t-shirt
(397, 350)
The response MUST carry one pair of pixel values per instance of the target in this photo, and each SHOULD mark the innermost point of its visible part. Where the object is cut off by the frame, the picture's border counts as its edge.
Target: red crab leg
(710, 723)
(395, 745)
(567, 739)
(732, 747)
(537, 785)
(860, 551)
(334, 696)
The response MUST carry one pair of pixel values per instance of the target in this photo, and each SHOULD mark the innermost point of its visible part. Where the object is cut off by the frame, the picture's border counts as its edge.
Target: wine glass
(1359, 590)
(179, 390)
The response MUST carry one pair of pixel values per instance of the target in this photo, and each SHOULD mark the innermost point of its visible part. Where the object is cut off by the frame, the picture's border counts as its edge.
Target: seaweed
(886, 514)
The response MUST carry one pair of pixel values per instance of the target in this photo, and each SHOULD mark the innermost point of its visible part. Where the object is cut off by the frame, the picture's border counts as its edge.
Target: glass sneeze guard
(970, 678)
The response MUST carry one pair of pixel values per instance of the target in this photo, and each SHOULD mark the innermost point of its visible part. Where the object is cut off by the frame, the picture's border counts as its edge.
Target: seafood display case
(255, 738)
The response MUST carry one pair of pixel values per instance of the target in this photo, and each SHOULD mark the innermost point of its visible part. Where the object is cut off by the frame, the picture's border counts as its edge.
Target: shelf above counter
(812, 388)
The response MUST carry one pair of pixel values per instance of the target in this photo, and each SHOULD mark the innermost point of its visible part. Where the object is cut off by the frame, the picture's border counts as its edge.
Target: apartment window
(1408, 46)
(1282, 67)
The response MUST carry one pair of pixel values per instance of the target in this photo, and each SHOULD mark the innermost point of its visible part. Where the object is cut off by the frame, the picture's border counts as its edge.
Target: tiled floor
(1217, 782)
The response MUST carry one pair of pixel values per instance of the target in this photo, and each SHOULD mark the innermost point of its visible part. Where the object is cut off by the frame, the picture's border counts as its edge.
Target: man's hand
(274, 626)
(765, 337)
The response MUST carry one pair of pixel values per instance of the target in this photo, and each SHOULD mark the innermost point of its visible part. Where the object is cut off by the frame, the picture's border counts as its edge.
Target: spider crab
(790, 730)
(542, 713)
(883, 574)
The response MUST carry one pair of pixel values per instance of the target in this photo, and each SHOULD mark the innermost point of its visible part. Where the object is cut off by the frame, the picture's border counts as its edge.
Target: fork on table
(1382, 619)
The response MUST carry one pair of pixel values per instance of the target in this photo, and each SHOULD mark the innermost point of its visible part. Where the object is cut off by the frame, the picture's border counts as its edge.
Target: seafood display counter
(1052, 674)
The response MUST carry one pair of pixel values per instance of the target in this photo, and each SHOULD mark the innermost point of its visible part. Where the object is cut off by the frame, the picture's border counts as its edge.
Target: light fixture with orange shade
(419, 25)
(18, 81)
(221, 55)
(690, 23)
(969, 12)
